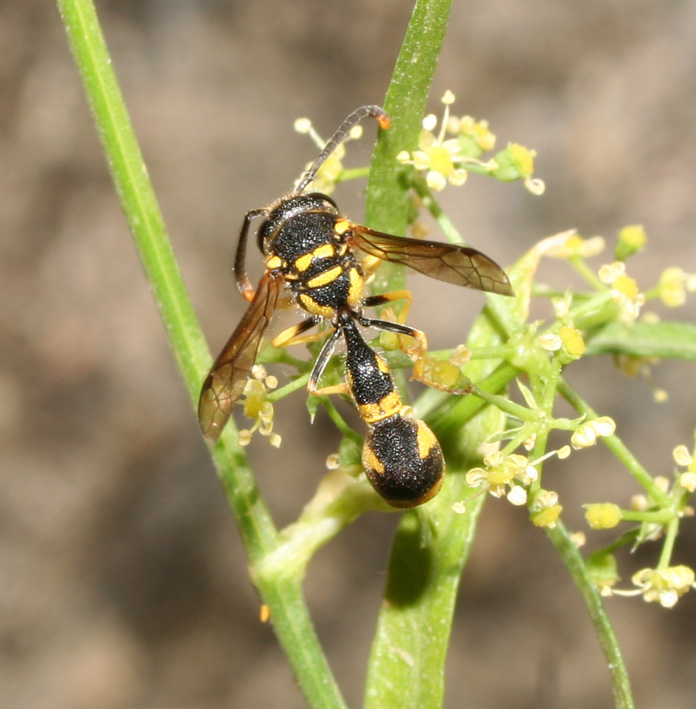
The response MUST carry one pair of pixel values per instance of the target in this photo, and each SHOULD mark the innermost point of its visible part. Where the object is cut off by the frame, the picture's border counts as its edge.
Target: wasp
(401, 456)
(319, 260)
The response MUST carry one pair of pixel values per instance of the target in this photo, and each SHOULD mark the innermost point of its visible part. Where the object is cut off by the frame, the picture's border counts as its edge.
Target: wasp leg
(369, 265)
(320, 365)
(293, 335)
(374, 301)
(406, 296)
(419, 353)
(243, 282)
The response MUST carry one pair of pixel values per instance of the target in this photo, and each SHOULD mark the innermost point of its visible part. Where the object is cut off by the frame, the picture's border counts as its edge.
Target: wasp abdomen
(403, 461)
(401, 456)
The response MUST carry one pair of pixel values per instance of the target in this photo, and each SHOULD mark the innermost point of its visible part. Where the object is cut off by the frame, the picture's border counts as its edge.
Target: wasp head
(289, 214)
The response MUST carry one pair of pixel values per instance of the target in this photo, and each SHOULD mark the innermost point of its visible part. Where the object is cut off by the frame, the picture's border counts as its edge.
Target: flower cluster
(576, 246)
(631, 239)
(449, 160)
(674, 285)
(567, 343)
(511, 476)
(687, 478)
(663, 585)
(588, 432)
(257, 407)
(624, 290)
(504, 475)
(545, 509)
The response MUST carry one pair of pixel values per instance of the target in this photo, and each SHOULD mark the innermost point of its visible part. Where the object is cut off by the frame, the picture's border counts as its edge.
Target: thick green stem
(410, 648)
(388, 191)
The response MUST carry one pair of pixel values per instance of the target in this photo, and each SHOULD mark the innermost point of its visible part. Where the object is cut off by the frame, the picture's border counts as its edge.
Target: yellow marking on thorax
(324, 251)
(274, 261)
(303, 262)
(323, 279)
(342, 226)
(309, 304)
(357, 286)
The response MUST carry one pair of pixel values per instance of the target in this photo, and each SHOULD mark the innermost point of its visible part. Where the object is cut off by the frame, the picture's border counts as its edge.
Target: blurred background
(123, 581)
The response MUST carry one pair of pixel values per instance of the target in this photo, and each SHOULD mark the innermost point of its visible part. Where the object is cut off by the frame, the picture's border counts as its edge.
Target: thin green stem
(431, 204)
(340, 423)
(668, 546)
(564, 545)
(617, 447)
(504, 404)
(283, 596)
(549, 386)
(353, 173)
(457, 410)
(580, 265)
(293, 386)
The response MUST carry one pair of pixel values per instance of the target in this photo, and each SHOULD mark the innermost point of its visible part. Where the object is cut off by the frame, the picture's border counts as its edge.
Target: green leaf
(673, 340)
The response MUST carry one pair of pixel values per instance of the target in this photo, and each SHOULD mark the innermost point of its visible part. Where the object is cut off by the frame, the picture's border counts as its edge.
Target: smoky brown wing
(226, 380)
(460, 265)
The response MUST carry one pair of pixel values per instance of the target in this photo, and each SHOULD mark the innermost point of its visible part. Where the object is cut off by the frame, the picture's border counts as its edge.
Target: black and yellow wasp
(401, 457)
(312, 253)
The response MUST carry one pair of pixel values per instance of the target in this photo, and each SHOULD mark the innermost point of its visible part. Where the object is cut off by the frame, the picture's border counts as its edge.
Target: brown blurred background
(123, 581)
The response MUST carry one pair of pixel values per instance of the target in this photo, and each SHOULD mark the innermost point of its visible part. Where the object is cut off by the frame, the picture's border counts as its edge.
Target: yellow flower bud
(603, 515)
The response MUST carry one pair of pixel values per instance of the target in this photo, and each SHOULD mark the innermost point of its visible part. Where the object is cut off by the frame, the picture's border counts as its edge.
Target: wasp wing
(460, 265)
(228, 376)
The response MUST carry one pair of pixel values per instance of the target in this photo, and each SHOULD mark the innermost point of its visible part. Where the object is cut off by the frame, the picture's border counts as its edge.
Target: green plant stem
(431, 204)
(668, 546)
(457, 410)
(617, 447)
(388, 193)
(408, 655)
(413, 631)
(575, 564)
(283, 596)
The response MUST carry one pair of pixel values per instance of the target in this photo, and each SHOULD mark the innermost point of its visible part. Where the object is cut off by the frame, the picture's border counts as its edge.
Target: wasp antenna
(379, 114)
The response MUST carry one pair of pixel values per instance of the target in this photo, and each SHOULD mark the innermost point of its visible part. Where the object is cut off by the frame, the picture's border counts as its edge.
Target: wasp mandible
(312, 252)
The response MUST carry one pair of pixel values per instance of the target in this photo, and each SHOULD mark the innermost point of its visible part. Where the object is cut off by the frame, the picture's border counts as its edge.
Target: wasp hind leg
(382, 299)
(423, 366)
